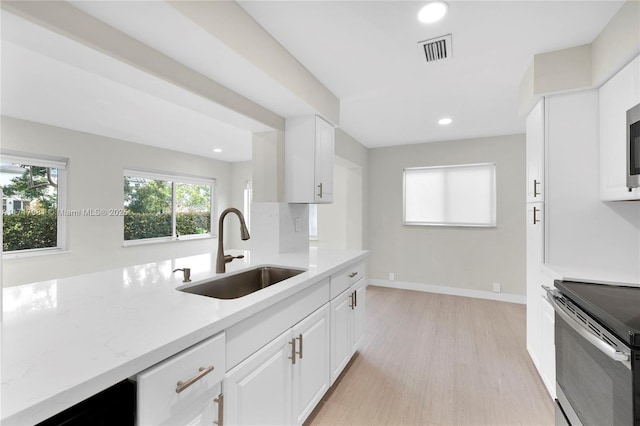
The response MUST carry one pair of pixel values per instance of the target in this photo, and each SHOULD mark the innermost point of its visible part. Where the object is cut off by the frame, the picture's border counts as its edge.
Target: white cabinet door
(341, 329)
(535, 153)
(535, 251)
(324, 150)
(311, 372)
(308, 160)
(616, 96)
(547, 345)
(359, 314)
(258, 391)
(348, 317)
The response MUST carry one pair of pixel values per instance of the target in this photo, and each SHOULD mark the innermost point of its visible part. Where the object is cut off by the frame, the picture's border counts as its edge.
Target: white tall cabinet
(535, 127)
(538, 340)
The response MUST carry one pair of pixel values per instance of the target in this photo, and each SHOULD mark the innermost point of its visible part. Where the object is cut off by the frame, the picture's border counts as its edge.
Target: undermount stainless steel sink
(242, 283)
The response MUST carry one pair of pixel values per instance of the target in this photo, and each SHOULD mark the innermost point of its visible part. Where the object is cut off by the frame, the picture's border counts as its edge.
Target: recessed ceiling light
(444, 121)
(432, 12)
(217, 150)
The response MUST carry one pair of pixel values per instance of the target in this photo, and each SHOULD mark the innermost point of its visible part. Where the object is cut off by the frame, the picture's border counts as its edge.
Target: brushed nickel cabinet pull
(320, 187)
(293, 351)
(535, 219)
(353, 274)
(180, 386)
(220, 401)
(535, 187)
(353, 301)
(300, 340)
(355, 298)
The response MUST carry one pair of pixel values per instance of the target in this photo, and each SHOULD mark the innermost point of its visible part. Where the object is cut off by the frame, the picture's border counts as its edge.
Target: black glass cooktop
(615, 307)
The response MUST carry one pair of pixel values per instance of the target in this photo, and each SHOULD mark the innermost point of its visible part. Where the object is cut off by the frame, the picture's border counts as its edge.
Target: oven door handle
(604, 347)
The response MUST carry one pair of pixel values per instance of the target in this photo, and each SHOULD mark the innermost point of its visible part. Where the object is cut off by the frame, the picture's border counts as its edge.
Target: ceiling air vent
(436, 49)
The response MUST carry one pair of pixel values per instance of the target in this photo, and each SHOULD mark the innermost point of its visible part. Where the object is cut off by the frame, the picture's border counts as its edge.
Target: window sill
(165, 240)
(33, 253)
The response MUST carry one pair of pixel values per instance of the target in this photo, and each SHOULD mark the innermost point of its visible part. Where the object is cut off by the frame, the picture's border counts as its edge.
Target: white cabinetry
(535, 153)
(311, 370)
(547, 360)
(283, 382)
(535, 250)
(309, 149)
(283, 360)
(183, 389)
(538, 333)
(620, 93)
(347, 325)
(258, 391)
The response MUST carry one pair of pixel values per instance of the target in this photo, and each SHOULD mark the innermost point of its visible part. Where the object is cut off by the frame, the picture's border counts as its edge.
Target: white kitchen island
(67, 339)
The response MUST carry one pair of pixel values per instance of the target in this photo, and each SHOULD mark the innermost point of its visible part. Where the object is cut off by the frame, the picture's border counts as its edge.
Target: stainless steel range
(597, 340)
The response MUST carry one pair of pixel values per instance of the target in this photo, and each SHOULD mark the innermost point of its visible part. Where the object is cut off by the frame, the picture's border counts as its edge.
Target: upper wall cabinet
(618, 95)
(309, 148)
(535, 153)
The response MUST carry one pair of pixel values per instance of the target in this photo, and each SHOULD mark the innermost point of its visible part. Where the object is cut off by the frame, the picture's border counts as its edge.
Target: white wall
(240, 174)
(94, 176)
(340, 223)
(462, 258)
(355, 156)
(583, 232)
(617, 44)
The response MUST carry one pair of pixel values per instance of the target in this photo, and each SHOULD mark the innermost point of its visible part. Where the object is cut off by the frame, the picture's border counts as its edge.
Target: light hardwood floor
(431, 359)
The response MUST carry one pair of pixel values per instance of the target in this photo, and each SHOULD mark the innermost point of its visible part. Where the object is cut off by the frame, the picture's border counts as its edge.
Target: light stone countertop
(67, 339)
(591, 275)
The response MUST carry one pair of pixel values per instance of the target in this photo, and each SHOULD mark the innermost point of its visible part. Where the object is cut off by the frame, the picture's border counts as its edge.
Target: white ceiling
(365, 52)
(51, 79)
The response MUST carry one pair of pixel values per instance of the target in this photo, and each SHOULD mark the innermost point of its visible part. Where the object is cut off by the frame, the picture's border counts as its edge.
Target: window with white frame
(161, 207)
(458, 195)
(33, 203)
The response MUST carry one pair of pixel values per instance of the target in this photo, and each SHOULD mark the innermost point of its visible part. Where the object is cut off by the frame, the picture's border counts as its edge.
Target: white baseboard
(428, 288)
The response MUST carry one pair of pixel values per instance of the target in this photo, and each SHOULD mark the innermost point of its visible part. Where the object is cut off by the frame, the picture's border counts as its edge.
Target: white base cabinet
(281, 383)
(183, 389)
(258, 391)
(311, 371)
(348, 312)
(278, 378)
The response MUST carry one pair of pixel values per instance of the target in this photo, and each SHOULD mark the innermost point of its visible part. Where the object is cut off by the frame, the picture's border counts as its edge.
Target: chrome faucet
(222, 260)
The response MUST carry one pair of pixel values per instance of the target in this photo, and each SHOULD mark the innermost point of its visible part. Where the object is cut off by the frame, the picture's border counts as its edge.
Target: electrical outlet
(392, 276)
(496, 287)
(298, 224)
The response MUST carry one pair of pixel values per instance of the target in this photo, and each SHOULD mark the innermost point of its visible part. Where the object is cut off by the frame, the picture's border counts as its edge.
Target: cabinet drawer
(158, 398)
(342, 280)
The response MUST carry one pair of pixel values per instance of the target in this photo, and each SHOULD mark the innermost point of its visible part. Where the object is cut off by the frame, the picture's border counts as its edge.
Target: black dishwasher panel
(113, 406)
